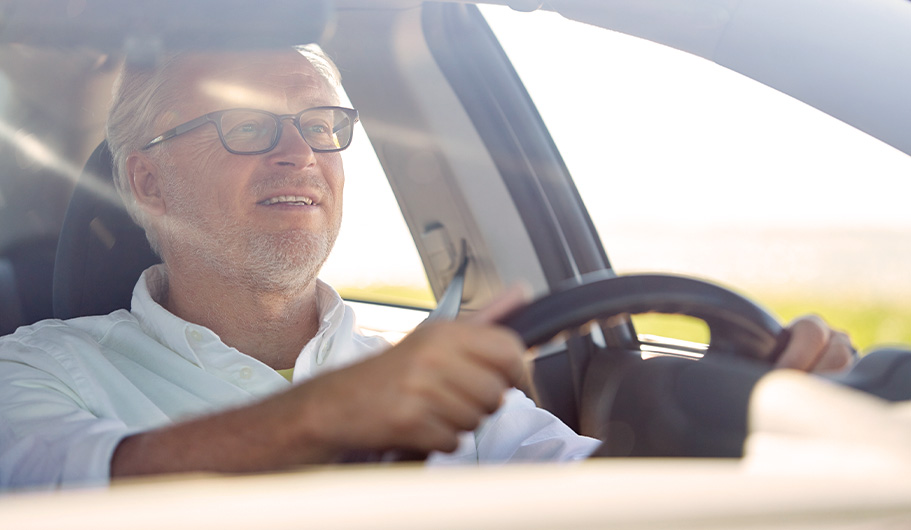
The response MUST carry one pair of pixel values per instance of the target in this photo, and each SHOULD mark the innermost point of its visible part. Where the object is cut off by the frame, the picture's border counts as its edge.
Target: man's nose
(291, 148)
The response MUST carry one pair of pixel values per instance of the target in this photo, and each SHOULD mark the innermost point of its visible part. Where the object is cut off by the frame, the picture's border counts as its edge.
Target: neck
(272, 326)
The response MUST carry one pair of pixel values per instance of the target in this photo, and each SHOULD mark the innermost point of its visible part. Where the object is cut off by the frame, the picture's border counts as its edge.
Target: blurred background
(689, 168)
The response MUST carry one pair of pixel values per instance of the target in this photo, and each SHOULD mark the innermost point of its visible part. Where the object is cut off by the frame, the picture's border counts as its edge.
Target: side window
(689, 168)
(374, 260)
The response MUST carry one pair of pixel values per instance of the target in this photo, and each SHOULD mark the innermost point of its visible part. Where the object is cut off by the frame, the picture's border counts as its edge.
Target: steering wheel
(738, 328)
(663, 406)
(737, 325)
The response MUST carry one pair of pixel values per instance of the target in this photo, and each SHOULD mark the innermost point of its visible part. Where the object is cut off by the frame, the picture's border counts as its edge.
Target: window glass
(687, 167)
(374, 258)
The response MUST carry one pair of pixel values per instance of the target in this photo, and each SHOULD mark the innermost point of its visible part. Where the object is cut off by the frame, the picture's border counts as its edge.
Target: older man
(231, 163)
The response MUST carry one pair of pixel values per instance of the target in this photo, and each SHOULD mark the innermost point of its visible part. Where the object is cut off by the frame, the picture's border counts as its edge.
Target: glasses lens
(248, 131)
(327, 129)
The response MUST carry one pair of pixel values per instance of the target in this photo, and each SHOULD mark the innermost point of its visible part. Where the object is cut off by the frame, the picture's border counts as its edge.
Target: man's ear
(145, 182)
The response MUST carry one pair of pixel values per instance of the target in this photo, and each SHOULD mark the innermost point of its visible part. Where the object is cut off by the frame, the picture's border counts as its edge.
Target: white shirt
(71, 390)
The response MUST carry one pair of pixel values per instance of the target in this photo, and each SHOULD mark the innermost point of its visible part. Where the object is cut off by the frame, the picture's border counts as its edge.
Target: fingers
(441, 380)
(839, 354)
(476, 386)
(463, 408)
(458, 372)
(816, 347)
(436, 435)
(438, 382)
(809, 336)
(497, 347)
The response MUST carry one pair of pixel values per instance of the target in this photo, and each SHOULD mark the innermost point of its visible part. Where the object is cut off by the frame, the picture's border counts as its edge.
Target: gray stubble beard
(271, 263)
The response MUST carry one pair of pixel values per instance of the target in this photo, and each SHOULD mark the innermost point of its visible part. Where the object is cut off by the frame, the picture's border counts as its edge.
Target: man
(243, 206)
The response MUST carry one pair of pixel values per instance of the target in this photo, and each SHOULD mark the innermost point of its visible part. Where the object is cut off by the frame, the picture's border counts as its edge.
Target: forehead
(278, 81)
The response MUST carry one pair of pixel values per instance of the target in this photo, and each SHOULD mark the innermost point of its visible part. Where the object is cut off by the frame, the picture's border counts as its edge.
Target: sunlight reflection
(236, 95)
(40, 153)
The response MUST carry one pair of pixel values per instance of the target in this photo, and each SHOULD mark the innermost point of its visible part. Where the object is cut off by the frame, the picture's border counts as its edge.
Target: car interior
(463, 188)
(474, 157)
(472, 168)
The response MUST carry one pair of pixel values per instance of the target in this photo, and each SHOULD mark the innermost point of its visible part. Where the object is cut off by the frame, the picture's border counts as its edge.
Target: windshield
(687, 167)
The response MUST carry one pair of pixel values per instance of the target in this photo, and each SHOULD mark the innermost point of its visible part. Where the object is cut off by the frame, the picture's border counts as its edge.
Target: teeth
(292, 199)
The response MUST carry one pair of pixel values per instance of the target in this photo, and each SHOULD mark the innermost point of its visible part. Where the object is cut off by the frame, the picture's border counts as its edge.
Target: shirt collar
(159, 323)
(175, 332)
(331, 309)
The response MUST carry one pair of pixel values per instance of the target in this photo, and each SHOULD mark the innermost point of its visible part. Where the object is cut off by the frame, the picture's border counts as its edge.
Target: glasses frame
(215, 119)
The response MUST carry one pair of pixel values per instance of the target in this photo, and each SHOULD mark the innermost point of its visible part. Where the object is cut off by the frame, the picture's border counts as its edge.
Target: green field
(391, 294)
(868, 322)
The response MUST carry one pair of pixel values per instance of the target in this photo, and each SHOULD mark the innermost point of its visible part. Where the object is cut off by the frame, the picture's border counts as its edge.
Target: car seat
(101, 251)
(26, 272)
(10, 302)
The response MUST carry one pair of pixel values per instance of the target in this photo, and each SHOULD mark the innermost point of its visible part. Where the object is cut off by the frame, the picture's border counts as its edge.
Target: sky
(688, 167)
(665, 116)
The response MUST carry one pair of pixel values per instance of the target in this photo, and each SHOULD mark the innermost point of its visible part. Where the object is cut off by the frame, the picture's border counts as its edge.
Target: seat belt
(447, 309)
(451, 301)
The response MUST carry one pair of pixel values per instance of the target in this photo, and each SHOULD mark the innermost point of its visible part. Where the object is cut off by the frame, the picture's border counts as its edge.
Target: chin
(284, 261)
(249, 258)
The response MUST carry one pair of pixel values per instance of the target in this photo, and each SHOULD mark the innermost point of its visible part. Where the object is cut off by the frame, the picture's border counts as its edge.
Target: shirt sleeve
(519, 432)
(48, 436)
(522, 432)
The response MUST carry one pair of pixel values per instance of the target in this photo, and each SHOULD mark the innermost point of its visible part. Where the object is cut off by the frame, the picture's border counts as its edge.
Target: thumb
(512, 298)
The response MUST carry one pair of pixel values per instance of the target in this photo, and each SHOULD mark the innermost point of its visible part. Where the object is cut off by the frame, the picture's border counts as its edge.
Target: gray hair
(141, 98)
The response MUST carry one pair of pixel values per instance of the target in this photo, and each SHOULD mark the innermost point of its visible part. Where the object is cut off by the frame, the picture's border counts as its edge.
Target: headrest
(101, 252)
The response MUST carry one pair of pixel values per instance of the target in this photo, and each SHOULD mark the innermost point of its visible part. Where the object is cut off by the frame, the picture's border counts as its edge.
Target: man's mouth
(289, 199)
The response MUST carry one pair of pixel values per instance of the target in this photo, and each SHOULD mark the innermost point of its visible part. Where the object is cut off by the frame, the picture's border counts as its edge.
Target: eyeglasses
(253, 132)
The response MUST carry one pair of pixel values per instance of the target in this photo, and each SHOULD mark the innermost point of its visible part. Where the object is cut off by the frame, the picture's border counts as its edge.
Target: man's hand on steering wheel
(419, 395)
(815, 347)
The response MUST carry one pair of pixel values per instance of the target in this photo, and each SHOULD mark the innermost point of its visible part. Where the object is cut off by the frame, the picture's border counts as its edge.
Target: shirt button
(246, 372)
(195, 335)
